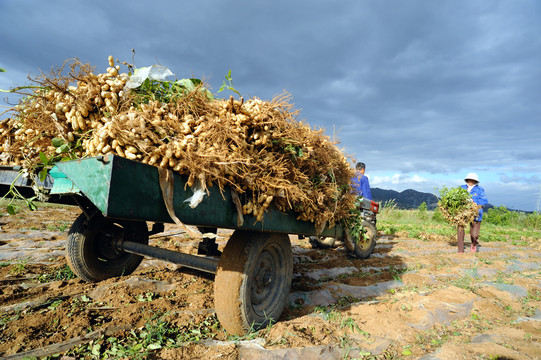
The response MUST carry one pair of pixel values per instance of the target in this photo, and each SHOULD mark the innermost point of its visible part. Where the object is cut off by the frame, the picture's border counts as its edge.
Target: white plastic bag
(199, 192)
(154, 72)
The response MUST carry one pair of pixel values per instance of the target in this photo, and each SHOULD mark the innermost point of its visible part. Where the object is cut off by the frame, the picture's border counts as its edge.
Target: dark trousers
(475, 227)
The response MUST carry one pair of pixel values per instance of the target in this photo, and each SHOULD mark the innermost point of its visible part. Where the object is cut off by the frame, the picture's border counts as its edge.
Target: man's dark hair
(360, 166)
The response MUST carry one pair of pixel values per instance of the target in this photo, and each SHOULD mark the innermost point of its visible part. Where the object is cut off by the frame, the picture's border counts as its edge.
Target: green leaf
(188, 84)
(2, 70)
(43, 174)
(43, 158)
(57, 142)
(30, 204)
(11, 209)
(54, 305)
(228, 84)
(64, 148)
(406, 352)
(154, 346)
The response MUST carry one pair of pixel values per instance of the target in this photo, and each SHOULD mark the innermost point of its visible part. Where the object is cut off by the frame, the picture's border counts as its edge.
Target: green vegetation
(19, 267)
(454, 200)
(159, 332)
(499, 224)
(228, 84)
(13, 195)
(527, 308)
(503, 217)
(456, 206)
(63, 273)
(167, 91)
(61, 226)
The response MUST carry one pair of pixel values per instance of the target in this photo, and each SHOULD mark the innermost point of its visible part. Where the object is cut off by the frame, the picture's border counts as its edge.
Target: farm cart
(118, 197)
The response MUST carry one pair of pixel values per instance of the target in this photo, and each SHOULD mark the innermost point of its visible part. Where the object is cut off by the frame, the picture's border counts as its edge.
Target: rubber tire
(87, 242)
(249, 257)
(363, 249)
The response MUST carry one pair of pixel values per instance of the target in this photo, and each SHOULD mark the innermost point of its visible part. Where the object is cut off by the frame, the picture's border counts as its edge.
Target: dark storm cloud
(417, 86)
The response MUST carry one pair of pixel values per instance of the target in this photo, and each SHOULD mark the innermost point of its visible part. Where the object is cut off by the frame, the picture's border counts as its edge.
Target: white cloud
(399, 179)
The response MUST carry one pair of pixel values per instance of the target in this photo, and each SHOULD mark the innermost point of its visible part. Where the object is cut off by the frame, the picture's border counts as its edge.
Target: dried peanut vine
(256, 147)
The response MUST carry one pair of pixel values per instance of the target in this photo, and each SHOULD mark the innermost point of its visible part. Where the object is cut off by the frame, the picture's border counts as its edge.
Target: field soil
(410, 299)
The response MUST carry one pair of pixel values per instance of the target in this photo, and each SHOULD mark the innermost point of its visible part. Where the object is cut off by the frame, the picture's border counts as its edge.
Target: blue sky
(421, 91)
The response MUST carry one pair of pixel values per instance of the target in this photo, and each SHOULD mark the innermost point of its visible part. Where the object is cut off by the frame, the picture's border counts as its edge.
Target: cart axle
(205, 264)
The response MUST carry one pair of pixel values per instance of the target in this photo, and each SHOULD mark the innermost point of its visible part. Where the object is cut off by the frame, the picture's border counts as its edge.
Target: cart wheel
(365, 245)
(253, 280)
(90, 251)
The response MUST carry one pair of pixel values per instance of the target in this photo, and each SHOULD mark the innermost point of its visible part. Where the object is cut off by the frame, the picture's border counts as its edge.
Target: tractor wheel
(364, 246)
(253, 280)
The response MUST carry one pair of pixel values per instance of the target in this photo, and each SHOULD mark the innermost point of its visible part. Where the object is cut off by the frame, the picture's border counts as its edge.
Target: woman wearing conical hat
(478, 196)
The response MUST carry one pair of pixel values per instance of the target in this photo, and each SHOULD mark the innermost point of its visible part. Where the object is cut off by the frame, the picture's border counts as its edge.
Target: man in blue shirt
(360, 182)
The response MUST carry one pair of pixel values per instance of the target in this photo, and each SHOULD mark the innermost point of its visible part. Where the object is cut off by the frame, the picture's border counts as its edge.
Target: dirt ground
(410, 299)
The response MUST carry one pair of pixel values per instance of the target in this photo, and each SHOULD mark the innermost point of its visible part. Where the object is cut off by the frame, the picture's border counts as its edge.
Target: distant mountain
(407, 199)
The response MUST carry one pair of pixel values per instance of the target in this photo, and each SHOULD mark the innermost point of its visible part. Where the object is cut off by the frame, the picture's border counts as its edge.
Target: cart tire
(253, 280)
(90, 252)
(365, 247)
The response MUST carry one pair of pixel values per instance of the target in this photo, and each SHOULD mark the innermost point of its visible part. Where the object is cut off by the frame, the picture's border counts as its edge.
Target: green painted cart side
(126, 189)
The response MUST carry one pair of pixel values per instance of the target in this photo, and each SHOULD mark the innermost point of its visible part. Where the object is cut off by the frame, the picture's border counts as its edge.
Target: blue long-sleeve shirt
(362, 186)
(478, 196)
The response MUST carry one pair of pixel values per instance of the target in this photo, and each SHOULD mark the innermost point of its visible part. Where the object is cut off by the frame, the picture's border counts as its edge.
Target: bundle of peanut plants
(456, 206)
(258, 148)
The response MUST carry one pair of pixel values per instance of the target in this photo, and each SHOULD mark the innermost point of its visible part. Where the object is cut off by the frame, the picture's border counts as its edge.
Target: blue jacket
(478, 196)
(361, 186)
